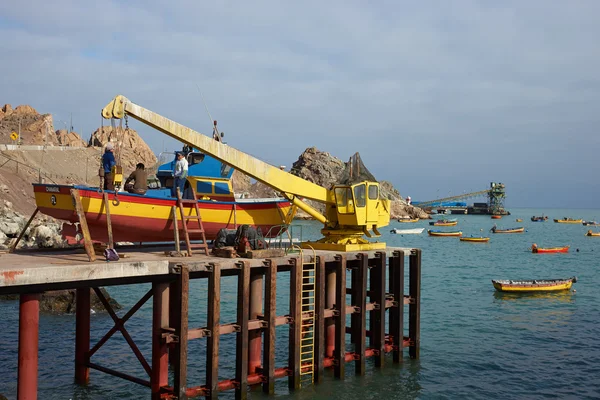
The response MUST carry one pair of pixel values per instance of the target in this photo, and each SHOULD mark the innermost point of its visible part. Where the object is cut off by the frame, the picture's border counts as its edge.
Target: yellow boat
(519, 220)
(569, 221)
(475, 239)
(444, 233)
(408, 220)
(592, 233)
(534, 285)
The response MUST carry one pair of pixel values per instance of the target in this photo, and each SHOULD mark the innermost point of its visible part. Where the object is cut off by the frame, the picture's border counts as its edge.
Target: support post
(255, 336)
(296, 326)
(27, 374)
(108, 221)
(319, 320)
(87, 240)
(14, 246)
(175, 315)
(241, 342)
(160, 357)
(396, 283)
(377, 317)
(330, 276)
(213, 321)
(340, 321)
(82, 335)
(270, 315)
(182, 288)
(414, 309)
(358, 320)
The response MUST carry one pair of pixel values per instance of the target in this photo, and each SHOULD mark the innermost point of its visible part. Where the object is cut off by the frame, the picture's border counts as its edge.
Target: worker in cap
(180, 174)
(108, 161)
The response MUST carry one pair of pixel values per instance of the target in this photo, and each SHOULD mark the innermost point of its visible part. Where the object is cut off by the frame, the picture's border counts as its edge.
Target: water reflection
(564, 296)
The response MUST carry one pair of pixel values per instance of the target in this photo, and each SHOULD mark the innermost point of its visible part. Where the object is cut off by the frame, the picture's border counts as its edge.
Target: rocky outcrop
(35, 128)
(318, 167)
(64, 301)
(127, 141)
(72, 139)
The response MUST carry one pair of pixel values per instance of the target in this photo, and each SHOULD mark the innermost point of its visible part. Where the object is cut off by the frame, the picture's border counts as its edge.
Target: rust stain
(10, 276)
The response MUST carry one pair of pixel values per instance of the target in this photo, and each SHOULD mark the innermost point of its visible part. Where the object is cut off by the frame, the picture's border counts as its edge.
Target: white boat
(415, 231)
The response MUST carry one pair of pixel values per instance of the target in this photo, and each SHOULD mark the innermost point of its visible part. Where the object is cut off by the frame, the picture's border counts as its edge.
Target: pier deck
(318, 299)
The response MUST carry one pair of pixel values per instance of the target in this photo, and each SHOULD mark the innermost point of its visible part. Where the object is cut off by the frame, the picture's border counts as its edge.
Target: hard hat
(109, 146)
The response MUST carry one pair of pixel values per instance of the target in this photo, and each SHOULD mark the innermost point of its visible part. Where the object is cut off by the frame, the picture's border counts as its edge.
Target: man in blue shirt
(108, 161)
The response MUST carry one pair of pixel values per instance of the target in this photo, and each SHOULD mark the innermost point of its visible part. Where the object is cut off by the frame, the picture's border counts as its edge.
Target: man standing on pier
(180, 174)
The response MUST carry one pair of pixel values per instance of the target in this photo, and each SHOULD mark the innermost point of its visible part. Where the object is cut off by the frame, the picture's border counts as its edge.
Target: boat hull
(513, 230)
(475, 239)
(568, 221)
(564, 249)
(416, 231)
(408, 220)
(444, 234)
(550, 285)
(150, 219)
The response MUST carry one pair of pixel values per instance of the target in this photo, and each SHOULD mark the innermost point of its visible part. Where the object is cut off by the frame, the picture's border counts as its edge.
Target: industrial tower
(496, 197)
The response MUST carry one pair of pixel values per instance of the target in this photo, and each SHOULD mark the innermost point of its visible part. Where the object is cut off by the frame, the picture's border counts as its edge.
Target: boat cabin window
(204, 187)
(195, 158)
(360, 195)
(225, 169)
(343, 199)
(221, 188)
(373, 192)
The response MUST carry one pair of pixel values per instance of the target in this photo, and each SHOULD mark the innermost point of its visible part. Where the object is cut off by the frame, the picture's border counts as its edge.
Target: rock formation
(36, 129)
(133, 149)
(64, 301)
(66, 138)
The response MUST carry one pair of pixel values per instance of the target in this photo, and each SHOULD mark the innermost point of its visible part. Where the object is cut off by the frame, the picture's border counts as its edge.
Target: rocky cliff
(132, 147)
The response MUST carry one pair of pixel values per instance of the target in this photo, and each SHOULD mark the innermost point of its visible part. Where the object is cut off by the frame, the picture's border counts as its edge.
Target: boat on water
(533, 285)
(519, 219)
(475, 239)
(592, 233)
(149, 217)
(444, 233)
(590, 223)
(509, 230)
(408, 219)
(568, 221)
(539, 219)
(536, 249)
(496, 216)
(415, 231)
(444, 222)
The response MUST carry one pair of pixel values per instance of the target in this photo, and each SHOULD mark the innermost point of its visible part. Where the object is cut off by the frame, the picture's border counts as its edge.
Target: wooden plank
(396, 288)
(319, 320)
(263, 253)
(212, 345)
(296, 328)
(377, 316)
(270, 317)
(182, 289)
(241, 344)
(87, 240)
(176, 230)
(358, 321)
(108, 222)
(14, 246)
(414, 308)
(339, 353)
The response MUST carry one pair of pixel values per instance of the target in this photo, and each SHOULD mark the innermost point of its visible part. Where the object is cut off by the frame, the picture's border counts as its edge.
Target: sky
(439, 97)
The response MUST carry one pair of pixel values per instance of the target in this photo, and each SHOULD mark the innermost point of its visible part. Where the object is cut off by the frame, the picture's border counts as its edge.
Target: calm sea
(475, 343)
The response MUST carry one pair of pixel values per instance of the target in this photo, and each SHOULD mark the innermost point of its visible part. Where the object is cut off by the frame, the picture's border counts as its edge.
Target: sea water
(475, 342)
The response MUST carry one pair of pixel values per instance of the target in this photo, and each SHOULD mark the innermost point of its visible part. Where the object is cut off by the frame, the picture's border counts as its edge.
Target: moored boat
(444, 233)
(496, 216)
(536, 249)
(592, 233)
(539, 219)
(415, 231)
(590, 223)
(568, 221)
(519, 219)
(475, 239)
(509, 230)
(408, 219)
(533, 285)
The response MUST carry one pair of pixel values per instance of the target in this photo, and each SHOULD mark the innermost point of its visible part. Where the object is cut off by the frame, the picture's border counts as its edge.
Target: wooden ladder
(186, 218)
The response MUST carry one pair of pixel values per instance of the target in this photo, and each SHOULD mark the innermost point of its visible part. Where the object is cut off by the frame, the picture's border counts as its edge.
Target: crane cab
(359, 204)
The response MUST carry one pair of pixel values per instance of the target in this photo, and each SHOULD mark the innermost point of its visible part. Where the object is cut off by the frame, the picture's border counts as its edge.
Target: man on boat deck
(180, 174)
(140, 177)
(108, 161)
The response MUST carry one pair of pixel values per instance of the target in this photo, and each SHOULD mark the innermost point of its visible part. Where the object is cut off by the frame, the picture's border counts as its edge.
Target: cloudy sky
(439, 97)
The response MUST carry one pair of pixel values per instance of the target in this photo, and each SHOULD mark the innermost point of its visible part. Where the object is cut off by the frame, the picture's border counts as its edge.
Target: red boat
(536, 249)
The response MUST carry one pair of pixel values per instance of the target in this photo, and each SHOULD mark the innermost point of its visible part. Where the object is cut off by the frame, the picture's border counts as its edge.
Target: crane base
(344, 247)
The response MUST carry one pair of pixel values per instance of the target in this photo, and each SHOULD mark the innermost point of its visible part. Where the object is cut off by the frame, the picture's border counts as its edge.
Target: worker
(140, 177)
(108, 161)
(180, 174)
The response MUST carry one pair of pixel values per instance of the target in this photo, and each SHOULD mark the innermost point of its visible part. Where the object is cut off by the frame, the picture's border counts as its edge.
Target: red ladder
(186, 218)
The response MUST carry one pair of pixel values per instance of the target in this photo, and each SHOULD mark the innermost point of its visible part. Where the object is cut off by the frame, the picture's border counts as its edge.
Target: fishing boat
(590, 223)
(519, 219)
(496, 216)
(444, 233)
(408, 219)
(568, 221)
(454, 223)
(533, 285)
(149, 217)
(509, 230)
(475, 239)
(592, 233)
(415, 231)
(539, 219)
(536, 249)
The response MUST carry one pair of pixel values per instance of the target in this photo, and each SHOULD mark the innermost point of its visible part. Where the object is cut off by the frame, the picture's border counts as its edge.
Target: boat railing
(284, 237)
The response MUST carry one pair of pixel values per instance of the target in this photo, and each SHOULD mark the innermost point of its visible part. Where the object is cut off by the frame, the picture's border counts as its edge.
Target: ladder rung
(191, 217)
(195, 230)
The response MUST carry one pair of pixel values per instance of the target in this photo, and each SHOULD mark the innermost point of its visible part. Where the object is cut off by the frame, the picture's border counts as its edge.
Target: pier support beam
(358, 320)
(270, 316)
(320, 320)
(160, 356)
(414, 309)
(330, 276)
(29, 319)
(256, 309)
(296, 327)
(377, 317)
(82, 336)
(396, 288)
(241, 342)
(339, 355)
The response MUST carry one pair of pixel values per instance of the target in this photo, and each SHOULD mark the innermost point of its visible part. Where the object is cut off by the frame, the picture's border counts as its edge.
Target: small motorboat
(568, 221)
(536, 249)
(408, 219)
(590, 223)
(592, 233)
(444, 233)
(510, 230)
(534, 285)
(453, 223)
(415, 231)
(475, 239)
(496, 216)
(539, 219)
(519, 219)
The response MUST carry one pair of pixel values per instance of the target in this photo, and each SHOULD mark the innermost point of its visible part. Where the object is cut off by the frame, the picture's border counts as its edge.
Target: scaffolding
(496, 196)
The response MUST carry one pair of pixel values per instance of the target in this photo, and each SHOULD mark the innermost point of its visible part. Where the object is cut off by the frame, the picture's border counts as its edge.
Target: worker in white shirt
(180, 174)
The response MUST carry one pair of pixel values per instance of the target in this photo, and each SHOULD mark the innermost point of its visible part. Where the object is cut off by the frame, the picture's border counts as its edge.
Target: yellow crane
(351, 211)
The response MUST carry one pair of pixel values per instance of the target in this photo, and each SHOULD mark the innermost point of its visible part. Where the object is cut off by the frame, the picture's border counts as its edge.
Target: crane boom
(350, 210)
